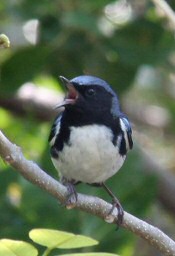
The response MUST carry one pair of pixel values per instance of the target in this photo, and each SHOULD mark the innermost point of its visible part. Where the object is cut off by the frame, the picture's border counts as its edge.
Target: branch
(21, 107)
(168, 12)
(30, 99)
(31, 171)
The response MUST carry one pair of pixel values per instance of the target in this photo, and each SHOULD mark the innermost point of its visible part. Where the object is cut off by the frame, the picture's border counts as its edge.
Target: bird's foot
(115, 204)
(72, 196)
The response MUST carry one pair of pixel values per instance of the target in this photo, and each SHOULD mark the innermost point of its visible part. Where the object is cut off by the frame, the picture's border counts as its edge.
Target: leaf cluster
(51, 239)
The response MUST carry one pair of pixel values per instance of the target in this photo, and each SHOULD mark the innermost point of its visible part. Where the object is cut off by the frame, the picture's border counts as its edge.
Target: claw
(115, 204)
(71, 196)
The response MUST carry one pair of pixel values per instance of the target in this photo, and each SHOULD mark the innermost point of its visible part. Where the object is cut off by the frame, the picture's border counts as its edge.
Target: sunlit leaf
(10, 247)
(77, 242)
(60, 239)
(5, 118)
(49, 238)
(5, 251)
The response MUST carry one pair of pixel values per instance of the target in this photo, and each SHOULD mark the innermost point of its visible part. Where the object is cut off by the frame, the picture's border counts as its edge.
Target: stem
(47, 251)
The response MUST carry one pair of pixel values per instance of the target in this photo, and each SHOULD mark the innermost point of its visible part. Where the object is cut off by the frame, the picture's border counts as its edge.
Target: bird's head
(90, 95)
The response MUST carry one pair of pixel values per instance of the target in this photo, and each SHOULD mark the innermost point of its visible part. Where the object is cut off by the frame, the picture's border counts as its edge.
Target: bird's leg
(115, 203)
(71, 195)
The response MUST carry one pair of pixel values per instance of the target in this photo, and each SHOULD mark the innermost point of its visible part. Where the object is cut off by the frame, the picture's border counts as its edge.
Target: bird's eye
(90, 92)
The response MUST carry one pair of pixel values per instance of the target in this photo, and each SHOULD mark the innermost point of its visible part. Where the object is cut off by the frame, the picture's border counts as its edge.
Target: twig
(31, 171)
(21, 107)
(169, 13)
(39, 101)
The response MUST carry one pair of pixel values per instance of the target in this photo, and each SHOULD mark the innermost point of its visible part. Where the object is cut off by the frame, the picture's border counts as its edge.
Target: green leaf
(10, 247)
(90, 254)
(142, 42)
(78, 241)
(59, 239)
(5, 251)
(80, 20)
(49, 238)
(22, 66)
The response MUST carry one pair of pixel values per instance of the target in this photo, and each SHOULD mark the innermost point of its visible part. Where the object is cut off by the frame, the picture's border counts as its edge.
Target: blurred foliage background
(132, 46)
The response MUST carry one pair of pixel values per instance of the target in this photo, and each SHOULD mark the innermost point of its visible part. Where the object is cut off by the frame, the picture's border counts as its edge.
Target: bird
(90, 138)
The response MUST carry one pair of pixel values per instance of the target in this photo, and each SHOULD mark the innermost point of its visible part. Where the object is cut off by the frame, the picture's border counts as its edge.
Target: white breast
(90, 155)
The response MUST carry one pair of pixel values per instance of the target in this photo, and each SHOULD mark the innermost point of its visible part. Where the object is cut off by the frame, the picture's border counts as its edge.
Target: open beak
(72, 94)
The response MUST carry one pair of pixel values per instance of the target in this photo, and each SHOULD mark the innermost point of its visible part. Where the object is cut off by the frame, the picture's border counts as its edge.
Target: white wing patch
(56, 129)
(126, 128)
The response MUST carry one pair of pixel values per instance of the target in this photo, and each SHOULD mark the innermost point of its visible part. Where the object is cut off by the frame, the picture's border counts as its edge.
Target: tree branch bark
(12, 154)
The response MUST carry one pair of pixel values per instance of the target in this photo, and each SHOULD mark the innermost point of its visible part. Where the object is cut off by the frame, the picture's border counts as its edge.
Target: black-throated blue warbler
(91, 137)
